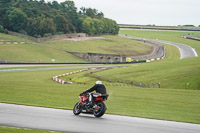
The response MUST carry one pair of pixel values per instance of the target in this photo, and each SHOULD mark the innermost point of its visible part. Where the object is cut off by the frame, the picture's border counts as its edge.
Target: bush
(35, 35)
(60, 33)
(39, 36)
(1, 28)
(46, 35)
(23, 32)
(6, 31)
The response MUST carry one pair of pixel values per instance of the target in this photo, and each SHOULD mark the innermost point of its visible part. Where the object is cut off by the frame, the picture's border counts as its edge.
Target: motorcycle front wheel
(101, 110)
(77, 109)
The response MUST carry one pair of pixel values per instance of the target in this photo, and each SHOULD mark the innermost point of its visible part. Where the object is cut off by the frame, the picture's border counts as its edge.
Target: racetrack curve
(64, 120)
(185, 50)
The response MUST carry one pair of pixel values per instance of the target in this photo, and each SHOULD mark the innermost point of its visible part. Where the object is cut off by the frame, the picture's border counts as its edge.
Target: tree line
(39, 19)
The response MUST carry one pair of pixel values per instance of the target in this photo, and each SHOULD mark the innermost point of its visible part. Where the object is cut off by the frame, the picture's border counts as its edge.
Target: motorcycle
(97, 110)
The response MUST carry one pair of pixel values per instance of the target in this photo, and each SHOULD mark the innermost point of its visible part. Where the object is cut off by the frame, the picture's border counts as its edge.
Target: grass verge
(6, 37)
(22, 130)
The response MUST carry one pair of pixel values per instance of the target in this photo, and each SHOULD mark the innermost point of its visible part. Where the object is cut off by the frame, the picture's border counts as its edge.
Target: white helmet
(98, 82)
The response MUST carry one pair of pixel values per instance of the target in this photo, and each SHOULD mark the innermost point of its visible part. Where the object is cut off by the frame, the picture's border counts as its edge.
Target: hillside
(170, 73)
(58, 49)
(108, 45)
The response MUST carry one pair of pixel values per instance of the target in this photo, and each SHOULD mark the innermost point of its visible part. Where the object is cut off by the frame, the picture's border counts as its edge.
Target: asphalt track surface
(57, 68)
(185, 50)
(64, 120)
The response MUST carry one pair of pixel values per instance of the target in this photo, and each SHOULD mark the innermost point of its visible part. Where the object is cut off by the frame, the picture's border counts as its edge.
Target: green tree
(70, 12)
(16, 19)
(55, 5)
(38, 18)
(91, 12)
(110, 26)
(1, 28)
(88, 26)
(33, 26)
(4, 7)
(3, 2)
(62, 24)
(46, 26)
(98, 25)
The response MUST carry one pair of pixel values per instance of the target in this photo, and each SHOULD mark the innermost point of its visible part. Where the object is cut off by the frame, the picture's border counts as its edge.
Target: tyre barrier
(57, 79)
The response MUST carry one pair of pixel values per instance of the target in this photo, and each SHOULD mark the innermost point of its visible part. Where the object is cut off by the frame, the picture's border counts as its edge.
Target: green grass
(196, 34)
(37, 89)
(6, 37)
(35, 53)
(172, 52)
(21, 130)
(171, 74)
(32, 52)
(33, 87)
(173, 36)
(57, 49)
(109, 45)
(167, 104)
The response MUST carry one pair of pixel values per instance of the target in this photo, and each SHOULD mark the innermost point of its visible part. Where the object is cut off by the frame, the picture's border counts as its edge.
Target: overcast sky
(143, 12)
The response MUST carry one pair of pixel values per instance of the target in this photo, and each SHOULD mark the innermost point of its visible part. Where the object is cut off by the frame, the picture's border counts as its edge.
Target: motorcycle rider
(99, 88)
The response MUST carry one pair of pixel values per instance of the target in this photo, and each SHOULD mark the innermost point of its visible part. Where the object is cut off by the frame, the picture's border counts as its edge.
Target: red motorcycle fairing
(101, 98)
(83, 99)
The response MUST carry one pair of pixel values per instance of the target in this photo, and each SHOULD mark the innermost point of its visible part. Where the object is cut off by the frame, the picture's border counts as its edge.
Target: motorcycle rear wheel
(77, 109)
(101, 110)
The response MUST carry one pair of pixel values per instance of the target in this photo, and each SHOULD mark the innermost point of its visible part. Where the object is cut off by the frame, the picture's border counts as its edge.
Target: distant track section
(58, 68)
(185, 50)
